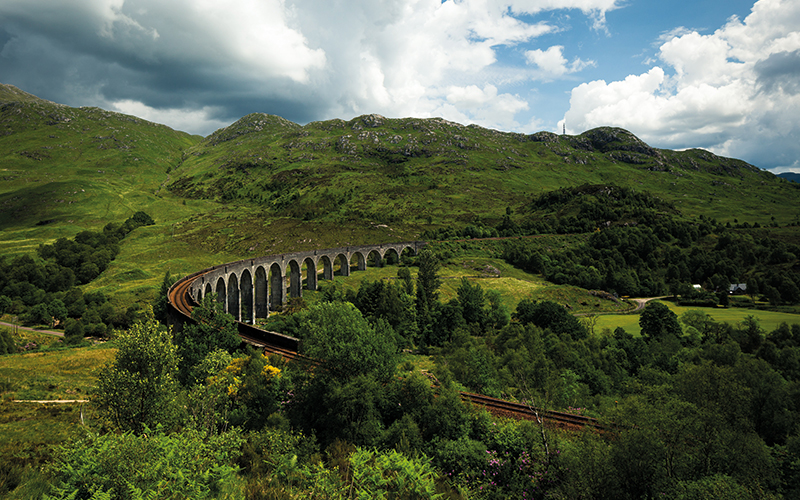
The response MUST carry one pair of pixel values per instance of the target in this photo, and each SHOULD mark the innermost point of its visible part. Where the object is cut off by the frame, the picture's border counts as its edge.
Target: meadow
(769, 320)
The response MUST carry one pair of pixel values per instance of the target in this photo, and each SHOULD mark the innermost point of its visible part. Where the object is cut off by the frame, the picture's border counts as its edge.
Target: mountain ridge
(80, 167)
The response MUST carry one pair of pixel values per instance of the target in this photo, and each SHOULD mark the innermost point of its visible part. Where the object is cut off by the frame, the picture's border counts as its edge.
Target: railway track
(182, 302)
(521, 411)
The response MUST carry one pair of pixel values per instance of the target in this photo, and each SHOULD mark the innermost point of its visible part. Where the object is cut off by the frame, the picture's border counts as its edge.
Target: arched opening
(406, 255)
(358, 262)
(221, 295)
(261, 303)
(374, 259)
(246, 294)
(327, 268)
(311, 273)
(277, 290)
(295, 279)
(233, 297)
(391, 257)
(344, 265)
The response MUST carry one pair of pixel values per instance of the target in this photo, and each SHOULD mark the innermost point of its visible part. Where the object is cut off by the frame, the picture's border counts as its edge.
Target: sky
(722, 75)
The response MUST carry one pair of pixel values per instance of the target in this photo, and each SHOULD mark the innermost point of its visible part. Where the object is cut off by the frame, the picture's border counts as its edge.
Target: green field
(29, 432)
(769, 320)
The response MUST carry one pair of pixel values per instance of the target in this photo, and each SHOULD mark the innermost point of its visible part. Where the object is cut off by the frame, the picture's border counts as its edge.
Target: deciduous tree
(138, 388)
(658, 320)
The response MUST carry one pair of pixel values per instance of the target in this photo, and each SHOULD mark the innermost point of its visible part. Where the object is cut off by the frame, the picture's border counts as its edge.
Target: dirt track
(18, 327)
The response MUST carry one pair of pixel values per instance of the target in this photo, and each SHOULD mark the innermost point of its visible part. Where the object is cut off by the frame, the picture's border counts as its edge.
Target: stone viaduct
(250, 288)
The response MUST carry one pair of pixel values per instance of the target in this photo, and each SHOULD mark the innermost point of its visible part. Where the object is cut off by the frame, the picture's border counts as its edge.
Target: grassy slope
(66, 169)
(265, 185)
(405, 172)
(28, 429)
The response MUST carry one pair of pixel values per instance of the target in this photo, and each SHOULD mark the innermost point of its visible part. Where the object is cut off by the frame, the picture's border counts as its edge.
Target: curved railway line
(275, 343)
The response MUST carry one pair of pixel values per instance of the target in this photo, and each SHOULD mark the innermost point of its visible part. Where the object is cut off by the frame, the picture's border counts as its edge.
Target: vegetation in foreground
(700, 409)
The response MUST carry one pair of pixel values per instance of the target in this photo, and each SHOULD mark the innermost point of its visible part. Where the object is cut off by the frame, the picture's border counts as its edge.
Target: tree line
(45, 289)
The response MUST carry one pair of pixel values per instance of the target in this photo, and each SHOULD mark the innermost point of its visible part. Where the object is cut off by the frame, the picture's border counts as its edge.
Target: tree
(137, 389)
(752, 288)
(57, 311)
(549, 315)
(5, 304)
(750, 334)
(38, 315)
(405, 276)
(162, 301)
(73, 331)
(471, 299)
(214, 329)
(658, 320)
(338, 335)
(498, 315)
(428, 283)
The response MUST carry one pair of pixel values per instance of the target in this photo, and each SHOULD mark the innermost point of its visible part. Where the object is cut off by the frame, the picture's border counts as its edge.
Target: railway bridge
(250, 288)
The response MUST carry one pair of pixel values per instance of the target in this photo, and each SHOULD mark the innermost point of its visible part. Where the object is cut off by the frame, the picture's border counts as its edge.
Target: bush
(73, 332)
(7, 345)
(189, 464)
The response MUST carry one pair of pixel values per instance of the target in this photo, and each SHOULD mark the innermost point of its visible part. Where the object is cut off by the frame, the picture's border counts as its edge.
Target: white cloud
(730, 91)
(552, 63)
(179, 119)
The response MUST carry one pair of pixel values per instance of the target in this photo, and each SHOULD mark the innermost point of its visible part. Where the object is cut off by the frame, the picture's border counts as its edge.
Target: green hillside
(266, 185)
(66, 169)
(431, 171)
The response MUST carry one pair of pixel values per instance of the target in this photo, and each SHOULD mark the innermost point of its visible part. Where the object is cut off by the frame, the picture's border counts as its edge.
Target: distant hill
(792, 176)
(432, 171)
(265, 184)
(84, 165)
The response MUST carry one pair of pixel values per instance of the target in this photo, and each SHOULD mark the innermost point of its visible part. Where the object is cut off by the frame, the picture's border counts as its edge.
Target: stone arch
(295, 279)
(391, 256)
(221, 293)
(374, 258)
(261, 307)
(233, 296)
(311, 273)
(344, 265)
(246, 310)
(327, 267)
(361, 261)
(276, 287)
(407, 252)
(206, 292)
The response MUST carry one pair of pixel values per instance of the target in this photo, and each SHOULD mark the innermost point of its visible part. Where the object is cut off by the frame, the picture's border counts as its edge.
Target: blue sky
(724, 76)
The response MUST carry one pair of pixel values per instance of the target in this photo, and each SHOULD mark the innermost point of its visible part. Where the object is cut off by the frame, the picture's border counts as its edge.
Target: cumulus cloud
(733, 91)
(180, 119)
(199, 63)
(552, 64)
